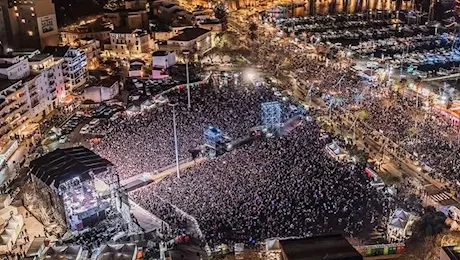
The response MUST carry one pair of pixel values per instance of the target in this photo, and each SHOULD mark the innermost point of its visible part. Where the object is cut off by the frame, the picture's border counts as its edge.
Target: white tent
(10, 232)
(118, 252)
(132, 110)
(63, 252)
(400, 225)
(147, 104)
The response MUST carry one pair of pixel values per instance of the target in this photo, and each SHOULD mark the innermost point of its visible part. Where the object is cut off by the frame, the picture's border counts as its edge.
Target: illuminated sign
(47, 24)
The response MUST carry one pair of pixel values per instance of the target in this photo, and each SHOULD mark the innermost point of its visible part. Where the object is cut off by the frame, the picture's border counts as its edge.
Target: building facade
(27, 24)
(49, 84)
(98, 30)
(73, 65)
(127, 43)
(195, 40)
(163, 59)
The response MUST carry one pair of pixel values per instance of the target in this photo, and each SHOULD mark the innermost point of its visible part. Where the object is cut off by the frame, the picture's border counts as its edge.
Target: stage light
(81, 197)
(249, 75)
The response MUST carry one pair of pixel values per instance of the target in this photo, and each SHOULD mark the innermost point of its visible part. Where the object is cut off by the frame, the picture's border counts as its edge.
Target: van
(94, 122)
(85, 129)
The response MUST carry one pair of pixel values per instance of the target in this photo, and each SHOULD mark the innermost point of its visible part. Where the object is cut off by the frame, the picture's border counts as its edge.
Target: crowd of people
(251, 193)
(145, 143)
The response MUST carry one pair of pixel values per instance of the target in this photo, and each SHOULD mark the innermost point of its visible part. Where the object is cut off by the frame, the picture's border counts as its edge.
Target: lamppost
(186, 53)
(175, 138)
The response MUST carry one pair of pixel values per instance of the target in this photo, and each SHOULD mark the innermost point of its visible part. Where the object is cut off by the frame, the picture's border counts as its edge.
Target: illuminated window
(23, 20)
(17, 14)
(30, 33)
(31, 8)
(33, 14)
(15, 8)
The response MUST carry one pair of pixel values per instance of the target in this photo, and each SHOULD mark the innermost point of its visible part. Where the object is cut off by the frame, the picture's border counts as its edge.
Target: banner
(47, 24)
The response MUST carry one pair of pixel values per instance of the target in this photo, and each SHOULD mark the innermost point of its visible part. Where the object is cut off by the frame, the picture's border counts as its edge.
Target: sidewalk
(9, 171)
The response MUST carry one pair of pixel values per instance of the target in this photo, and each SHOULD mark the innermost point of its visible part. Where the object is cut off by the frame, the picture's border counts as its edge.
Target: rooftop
(107, 82)
(322, 247)
(160, 53)
(135, 67)
(4, 65)
(96, 26)
(5, 83)
(65, 164)
(210, 21)
(453, 252)
(125, 30)
(189, 34)
(40, 57)
(56, 51)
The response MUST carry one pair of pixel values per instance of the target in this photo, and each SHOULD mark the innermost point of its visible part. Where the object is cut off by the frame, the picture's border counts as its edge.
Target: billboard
(47, 25)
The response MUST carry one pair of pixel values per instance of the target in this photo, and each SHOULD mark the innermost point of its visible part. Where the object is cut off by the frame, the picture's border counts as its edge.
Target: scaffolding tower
(271, 115)
(212, 136)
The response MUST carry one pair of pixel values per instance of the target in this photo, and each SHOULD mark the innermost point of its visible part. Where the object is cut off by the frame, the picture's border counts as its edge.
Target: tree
(252, 30)
(448, 94)
(220, 12)
(112, 5)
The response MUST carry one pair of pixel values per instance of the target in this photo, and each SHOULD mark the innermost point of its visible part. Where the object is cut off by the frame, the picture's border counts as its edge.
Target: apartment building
(48, 82)
(195, 40)
(27, 24)
(30, 85)
(127, 43)
(73, 65)
(98, 30)
(92, 48)
(14, 105)
(13, 116)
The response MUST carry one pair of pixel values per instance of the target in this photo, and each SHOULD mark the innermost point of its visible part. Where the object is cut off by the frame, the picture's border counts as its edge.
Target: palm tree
(448, 94)
(359, 115)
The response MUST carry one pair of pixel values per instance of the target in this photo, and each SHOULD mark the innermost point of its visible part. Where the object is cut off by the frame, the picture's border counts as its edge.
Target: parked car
(85, 129)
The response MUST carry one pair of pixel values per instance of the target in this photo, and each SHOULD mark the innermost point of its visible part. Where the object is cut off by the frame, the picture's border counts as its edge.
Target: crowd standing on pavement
(250, 193)
(145, 143)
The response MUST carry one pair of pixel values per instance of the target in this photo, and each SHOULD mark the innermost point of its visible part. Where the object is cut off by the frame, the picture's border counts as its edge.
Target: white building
(196, 40)
(399, 228)
(127, 43)
(136, 68)
(163, 59)
(14, 67)
(104, 90)
(29, 87)
(49, 84)
(92, 49)
(14, 109)
(73, 66)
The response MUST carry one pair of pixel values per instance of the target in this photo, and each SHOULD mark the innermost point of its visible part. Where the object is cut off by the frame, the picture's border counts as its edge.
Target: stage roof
(64, 164)
(322, 247)
(119, 251)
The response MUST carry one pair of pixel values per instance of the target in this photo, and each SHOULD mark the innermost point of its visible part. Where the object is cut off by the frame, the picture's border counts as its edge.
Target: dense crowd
(419, 133)
(250, 193)
(144, 143)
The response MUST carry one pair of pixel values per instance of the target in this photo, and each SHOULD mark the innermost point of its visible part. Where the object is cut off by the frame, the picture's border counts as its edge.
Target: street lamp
(175, 138)
(186, 53)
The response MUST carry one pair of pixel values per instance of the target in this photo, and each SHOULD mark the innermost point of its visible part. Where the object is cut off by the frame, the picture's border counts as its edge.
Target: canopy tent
(132, 110)
(118, 252)
(147, 104)
(63, 252)
(10, 232)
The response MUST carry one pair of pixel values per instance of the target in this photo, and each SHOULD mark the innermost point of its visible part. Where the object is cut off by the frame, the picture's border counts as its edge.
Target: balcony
(52, 90)
(5, 129)
(18, 107)
(35, 102)
(33, 94)
(13, 91)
